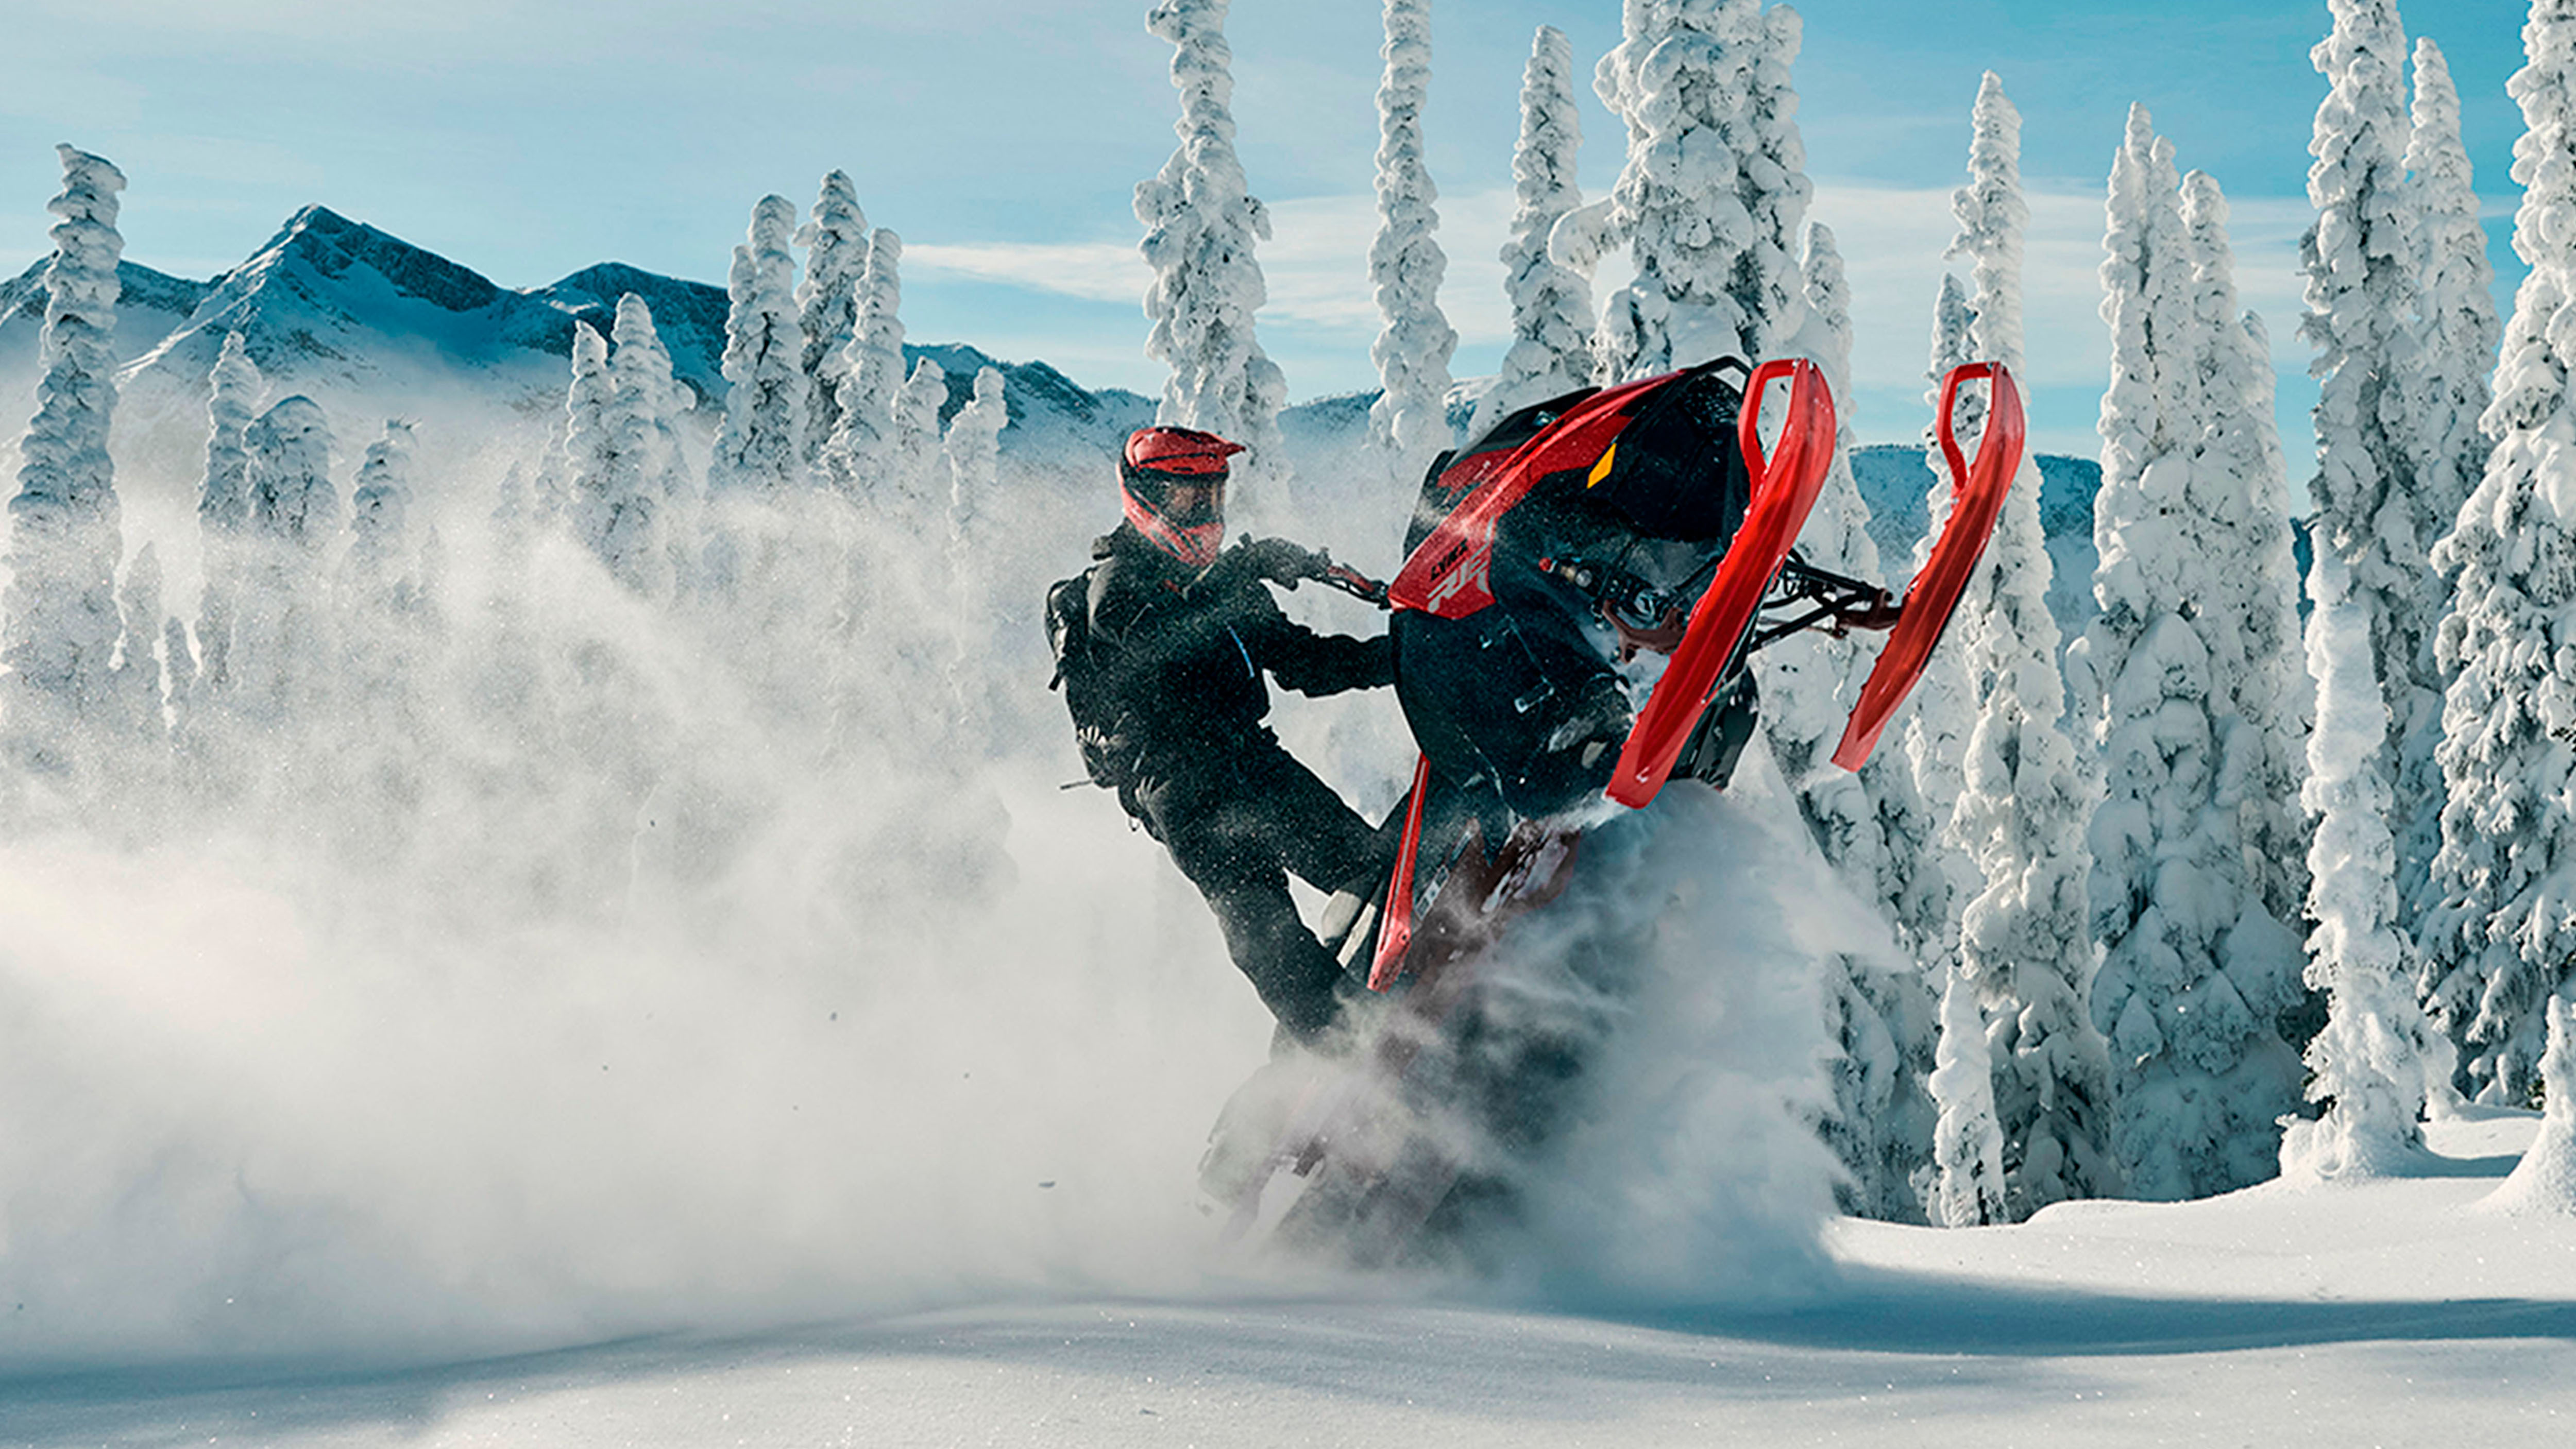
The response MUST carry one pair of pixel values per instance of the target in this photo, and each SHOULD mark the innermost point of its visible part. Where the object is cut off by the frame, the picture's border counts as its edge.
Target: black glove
(1280, 561)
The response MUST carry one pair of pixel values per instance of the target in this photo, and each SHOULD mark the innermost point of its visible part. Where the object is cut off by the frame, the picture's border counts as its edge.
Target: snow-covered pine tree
(862, 454)
(1202, 225)
(760, 445)
(590, 440)
(278, 640)
(2458, 329)
(58, 618)
(1771, 177)
(223, 507)
(2240, 481)
(2369, 1063)
(2544, 1181)
(2024, 798)
(1884, 1020)
(974, 449)
(835, 239)
(1681, 80)
(647, 539)
(2194, 971)
(2364, 265)
(379, 579)
(920, 476)
(1410, 418)
(1967, 1185)
(1552, 315)
(1935, 877)
(2509, 725)
(136, 679)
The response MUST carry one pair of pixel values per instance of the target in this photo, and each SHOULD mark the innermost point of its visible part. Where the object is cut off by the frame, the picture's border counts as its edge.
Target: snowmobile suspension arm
(1838, 602)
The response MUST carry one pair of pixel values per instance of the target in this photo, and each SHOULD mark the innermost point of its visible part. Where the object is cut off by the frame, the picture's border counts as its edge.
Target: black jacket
(1178, 653)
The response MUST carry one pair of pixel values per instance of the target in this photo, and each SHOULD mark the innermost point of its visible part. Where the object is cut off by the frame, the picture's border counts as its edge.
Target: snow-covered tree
(136, 679)
(835, 239)
(58, 618)
(862, 452)
(645, 538)
(1202, 225)
(2544, 1181)
(2195, 971)
(590, 439)
(1967, 1186)
(1771, 176)
(378, 574)
(2459, 332)
(2370, 1062)
(1410, 419)
(974, 448)
(1681, 79)
(278, 641)
(223, 505)
(1883, 1019)
(760, 446)
(1552, 315)
(2504, 927)
(2024, 799)
(2364, 265)
(1928, 893)
(916, 485)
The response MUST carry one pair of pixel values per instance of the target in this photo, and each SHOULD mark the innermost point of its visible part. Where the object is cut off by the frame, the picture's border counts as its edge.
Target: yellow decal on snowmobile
(1601, 469)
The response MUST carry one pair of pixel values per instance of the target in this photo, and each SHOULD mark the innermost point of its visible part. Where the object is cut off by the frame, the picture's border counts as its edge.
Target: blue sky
(1003, 139)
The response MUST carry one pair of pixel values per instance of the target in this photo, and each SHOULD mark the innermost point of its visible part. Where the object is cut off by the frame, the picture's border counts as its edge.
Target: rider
(1167, 700)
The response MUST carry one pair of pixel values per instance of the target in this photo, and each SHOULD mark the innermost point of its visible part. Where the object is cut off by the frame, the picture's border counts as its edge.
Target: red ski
(1784, 491)
(1976, 501)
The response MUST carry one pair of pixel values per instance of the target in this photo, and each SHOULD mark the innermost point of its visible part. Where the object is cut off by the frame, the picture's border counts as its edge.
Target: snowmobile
(1613, 542)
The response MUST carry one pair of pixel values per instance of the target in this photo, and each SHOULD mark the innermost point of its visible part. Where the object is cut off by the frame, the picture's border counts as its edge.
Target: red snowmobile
(1614, 541)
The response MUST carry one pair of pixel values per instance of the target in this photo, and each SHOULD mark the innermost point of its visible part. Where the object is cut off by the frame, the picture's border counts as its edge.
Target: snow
(2392, 1313)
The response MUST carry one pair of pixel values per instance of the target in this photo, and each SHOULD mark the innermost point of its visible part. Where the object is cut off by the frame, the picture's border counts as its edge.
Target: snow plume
(2370, 1062)
(2500, 938)
(1202, 225)
(760, 446)
(1552, 314)
(687, 965)
(1682, 962)
(2024, 797)
(1410, 418)
(58, 618)
(835, 239)
(2195, 971)
(2364, 262)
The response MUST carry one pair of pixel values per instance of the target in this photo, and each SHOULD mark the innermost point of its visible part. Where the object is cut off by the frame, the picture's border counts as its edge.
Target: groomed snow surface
(2390, 1313)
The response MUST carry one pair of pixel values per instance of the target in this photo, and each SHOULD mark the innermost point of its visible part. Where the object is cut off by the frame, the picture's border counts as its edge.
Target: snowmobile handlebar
(1288, 565)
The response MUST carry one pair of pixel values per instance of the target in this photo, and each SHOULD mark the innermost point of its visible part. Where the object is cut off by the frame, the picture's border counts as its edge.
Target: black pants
(1236, 819)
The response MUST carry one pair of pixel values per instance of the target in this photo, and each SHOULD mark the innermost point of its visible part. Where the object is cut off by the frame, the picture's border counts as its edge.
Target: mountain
(150, 306)
(372, 327)
(1896, 482)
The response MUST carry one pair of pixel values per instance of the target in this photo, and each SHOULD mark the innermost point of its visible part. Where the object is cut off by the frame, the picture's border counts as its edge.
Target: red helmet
(1171, 482)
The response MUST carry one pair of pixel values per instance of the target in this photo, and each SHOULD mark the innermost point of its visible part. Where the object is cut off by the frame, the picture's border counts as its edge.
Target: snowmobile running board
(1976, 501)
(1785, 485)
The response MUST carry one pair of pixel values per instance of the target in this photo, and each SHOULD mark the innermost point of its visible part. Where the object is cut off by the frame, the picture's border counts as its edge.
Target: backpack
(1106, 754)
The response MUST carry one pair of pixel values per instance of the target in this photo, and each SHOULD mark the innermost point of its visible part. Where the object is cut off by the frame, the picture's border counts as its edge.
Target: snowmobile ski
(1784, 491)
(1976, 501)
